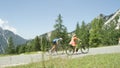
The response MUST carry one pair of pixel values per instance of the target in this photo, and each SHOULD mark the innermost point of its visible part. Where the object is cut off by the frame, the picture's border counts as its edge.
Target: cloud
(4, 25)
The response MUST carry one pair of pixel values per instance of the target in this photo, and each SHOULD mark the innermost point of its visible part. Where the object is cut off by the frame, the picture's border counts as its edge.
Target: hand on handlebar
(79, 39)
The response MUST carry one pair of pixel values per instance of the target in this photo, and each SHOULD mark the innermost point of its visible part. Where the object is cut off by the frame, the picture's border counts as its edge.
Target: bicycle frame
(84, 48)
(58, 49)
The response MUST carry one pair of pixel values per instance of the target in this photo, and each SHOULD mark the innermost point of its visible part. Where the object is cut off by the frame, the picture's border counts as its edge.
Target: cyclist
(55, 43)
(73, 42)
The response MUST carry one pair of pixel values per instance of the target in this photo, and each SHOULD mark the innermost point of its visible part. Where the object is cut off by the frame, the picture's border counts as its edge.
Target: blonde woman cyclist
(73, 42)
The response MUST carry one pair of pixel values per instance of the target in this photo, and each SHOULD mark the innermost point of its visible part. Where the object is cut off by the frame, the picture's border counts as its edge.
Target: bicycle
(83, 48)
(60, 49)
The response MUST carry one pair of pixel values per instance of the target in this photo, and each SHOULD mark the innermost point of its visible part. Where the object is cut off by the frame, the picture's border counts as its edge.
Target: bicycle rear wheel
(69, 50)
(84, 49)
(60, 49)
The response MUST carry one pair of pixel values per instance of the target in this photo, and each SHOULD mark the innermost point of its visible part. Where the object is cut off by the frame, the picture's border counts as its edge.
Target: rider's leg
(53, 48)
(73, 49)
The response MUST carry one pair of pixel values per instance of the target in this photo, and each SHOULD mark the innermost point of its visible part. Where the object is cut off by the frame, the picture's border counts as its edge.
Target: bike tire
(60, 49)
(84, 49)
(69, 50)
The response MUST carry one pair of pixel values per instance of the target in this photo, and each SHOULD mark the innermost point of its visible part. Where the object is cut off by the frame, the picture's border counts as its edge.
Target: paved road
(25, 59)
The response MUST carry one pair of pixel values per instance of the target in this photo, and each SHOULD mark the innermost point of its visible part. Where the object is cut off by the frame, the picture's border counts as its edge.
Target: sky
(29, 18)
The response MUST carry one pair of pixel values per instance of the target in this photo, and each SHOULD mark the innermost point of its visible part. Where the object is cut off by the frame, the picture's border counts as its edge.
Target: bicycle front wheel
(69, 50)
(84, 49)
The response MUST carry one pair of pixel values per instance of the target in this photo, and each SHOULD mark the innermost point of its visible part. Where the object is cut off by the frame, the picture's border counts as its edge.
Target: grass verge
(91, 61)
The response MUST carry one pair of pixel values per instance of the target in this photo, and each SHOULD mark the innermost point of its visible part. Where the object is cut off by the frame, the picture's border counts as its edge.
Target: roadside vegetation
(94, 34)
(90, 61)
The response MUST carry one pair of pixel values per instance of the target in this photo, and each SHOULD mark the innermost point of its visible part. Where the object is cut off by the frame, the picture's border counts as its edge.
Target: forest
(95, 34)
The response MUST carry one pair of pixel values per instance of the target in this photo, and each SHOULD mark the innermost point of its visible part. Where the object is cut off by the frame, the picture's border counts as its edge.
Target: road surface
(29, 58)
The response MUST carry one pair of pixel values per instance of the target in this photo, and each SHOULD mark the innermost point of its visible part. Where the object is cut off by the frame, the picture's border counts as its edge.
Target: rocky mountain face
(4, 36)
(114, 17)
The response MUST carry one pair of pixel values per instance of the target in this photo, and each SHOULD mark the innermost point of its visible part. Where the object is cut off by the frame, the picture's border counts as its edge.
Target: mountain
(114, 17)
(4, 36)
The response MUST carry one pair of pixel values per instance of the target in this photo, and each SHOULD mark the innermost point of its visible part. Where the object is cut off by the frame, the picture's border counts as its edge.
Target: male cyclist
(55, 42)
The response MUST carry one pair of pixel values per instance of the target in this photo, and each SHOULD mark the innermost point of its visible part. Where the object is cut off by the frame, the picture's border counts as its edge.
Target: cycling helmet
(60, 38)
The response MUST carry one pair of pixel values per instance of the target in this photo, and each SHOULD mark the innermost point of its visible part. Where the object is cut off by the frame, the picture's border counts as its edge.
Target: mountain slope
(4, 35)
(114, 18)
(117, 13)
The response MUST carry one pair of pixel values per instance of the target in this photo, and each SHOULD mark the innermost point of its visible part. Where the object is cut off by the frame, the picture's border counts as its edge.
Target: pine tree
(44, 43)
(36, 46)
(22, 48)
(60, 30)
(96, 32)
(77, 30)
(111, 34)
(84, 33)
(11, 48)
(29, 46)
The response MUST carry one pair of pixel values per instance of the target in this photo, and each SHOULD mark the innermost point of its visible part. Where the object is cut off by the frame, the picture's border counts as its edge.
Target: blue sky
(29, 18)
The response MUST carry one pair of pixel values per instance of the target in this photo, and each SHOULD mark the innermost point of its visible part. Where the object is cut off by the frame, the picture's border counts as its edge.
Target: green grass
(32, 52)
(91, 61)
(26, 53)
(4, 55)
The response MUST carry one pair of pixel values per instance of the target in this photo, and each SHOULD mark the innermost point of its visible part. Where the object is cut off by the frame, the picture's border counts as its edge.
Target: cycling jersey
(55, 40)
